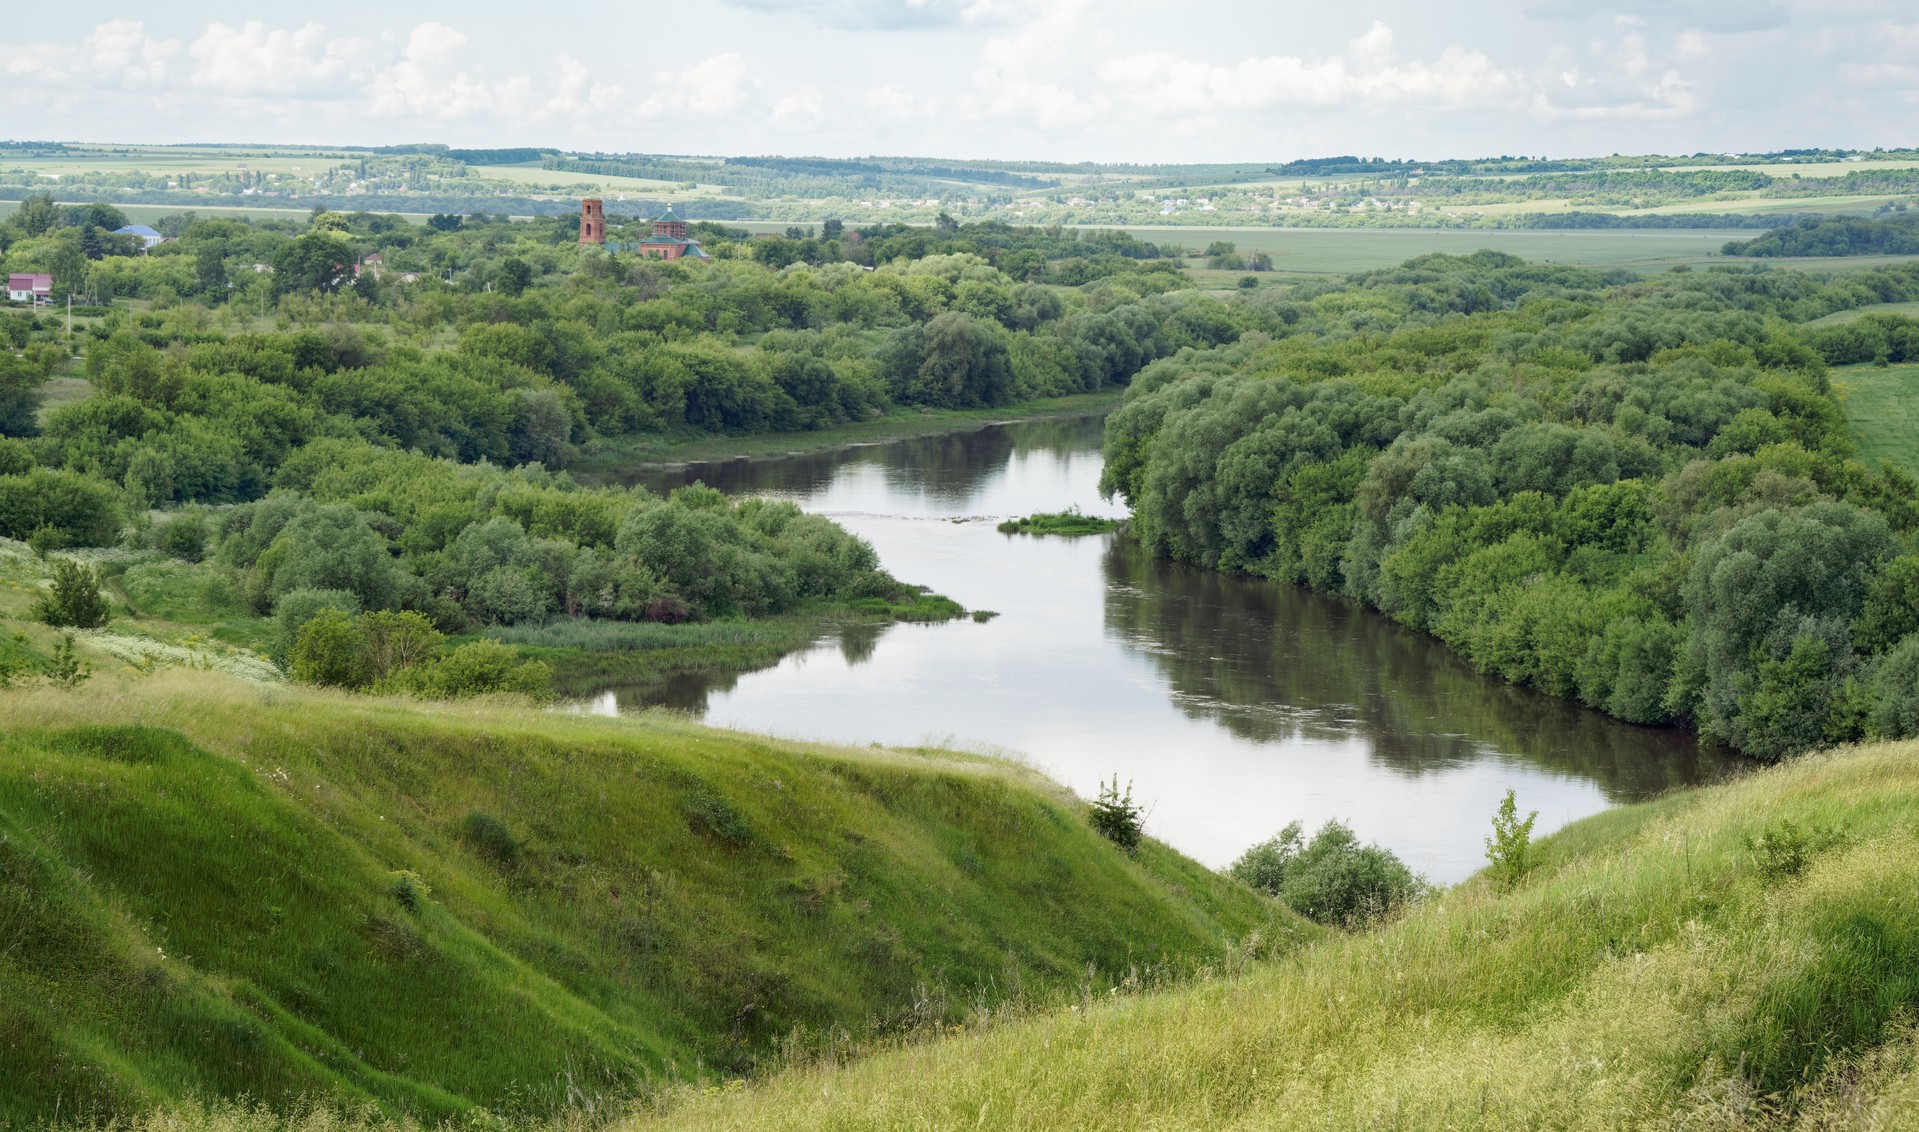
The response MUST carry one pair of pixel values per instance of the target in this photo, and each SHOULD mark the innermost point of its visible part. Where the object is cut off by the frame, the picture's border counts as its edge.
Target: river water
(1232, 705)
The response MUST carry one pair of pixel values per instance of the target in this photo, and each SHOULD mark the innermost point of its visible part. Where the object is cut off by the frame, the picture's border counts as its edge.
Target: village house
(35, 289)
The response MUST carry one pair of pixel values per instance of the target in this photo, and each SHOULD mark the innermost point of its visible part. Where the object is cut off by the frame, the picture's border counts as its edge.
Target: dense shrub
(82, 511)
(1333, 878)
(330, 651)
(73, 600)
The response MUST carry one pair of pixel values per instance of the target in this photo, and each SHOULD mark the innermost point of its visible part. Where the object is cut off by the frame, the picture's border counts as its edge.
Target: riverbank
(610, 457)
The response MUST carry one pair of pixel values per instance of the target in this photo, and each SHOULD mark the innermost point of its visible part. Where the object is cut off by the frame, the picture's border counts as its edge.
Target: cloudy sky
(1114, 80)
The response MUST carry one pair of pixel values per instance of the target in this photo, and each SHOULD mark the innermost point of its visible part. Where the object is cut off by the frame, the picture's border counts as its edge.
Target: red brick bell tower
(592, 223)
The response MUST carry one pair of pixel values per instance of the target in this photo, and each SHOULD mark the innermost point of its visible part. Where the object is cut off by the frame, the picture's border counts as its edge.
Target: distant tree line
(1836, 236)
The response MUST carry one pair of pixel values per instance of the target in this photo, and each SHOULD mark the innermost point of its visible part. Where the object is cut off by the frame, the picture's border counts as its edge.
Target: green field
(1882, 402)
(1324, 250)
(534, 175)
(1837, 318)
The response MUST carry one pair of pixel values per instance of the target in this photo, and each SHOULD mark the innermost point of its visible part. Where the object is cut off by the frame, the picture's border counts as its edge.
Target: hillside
(215, 889)
(1745, 956)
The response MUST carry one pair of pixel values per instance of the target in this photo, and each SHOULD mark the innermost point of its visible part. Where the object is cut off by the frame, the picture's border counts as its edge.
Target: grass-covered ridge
(213, 889)
(1742, 956)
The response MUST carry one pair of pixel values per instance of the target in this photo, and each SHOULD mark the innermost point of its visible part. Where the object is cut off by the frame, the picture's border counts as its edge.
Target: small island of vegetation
(1069, 522)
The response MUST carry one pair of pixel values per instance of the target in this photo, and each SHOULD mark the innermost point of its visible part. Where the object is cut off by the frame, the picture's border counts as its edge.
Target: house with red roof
(30, 288)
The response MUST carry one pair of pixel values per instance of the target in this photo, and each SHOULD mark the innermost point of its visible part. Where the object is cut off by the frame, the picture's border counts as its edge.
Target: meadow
(1882, 404)
(1338, 250)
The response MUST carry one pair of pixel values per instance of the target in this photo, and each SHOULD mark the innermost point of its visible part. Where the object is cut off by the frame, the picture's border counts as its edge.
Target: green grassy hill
(1745, 956)
(215, 889)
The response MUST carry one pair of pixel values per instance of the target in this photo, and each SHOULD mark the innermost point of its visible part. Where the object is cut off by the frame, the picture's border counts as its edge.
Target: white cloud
(802, 105)
(118, 53)
(884, 15)
(256, 60)
(710, 87)
(1711, 15)
(1017, 74)
(1368, 74)
(895, 103)
(427, 81)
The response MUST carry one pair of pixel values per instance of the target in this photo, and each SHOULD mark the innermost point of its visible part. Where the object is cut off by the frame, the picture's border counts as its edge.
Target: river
(1232, 705)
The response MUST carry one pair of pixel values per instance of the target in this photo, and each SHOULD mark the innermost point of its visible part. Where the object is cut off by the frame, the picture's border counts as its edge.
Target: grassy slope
(197, 897)
(1882, 402)
(1649, 974)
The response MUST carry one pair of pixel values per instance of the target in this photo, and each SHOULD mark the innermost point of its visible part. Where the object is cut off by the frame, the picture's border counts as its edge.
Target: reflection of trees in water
(952, 468)
(857, 642)
(682, 691)
(1272, 662)
(691, 692)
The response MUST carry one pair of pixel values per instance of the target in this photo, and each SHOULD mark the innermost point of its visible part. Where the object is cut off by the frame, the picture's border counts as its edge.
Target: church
(668, 241)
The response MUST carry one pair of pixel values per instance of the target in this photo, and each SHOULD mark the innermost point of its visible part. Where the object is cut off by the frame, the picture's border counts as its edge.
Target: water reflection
(1234, 705)
(1272, 663)
(949, 473)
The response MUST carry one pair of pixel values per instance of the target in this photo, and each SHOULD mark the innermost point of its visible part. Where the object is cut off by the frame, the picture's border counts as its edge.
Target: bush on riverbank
(1332, 879)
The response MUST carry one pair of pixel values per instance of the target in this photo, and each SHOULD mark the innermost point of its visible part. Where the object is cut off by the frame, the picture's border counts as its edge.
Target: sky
(1065, 80)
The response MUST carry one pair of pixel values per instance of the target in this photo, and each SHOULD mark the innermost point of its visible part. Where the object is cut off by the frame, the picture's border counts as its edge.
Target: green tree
(395, 641)
(22, 389)
(1752, 594)
(81, 510)
(330, 651)
(1117, 817)
(1264, 865)
(1509, 849)
(515, 275)
(210, 268)
(317, 261)
(37, 214)
(74, 600)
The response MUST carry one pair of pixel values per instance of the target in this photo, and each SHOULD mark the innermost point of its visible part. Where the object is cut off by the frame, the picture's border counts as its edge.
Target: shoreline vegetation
(1068, 523)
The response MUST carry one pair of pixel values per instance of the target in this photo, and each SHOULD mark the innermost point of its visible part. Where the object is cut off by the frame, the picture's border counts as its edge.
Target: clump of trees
(403, 652)
(1641, 495)
(1835, 236)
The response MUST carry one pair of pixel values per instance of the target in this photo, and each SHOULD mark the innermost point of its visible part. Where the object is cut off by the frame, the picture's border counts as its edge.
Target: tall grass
(215, 889)
(1653, 972)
